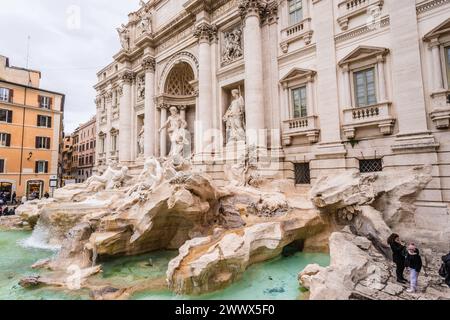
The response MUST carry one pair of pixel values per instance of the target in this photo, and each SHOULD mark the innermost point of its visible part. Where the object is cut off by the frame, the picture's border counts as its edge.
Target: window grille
(374, 165)
(302, 173)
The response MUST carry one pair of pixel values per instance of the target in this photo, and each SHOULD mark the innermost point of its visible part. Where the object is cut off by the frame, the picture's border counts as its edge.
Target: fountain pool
(275, 279)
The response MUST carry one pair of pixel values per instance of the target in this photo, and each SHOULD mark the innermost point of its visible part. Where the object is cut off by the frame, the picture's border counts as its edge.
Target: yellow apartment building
(31, 122)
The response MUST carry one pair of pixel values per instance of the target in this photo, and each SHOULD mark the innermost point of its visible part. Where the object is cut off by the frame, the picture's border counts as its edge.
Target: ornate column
(310, 96)
(205, 33)
(346, 86)
(438, 84)
(163, 134)
(252, 11)
(149, 106)
(125, 118)
(381, 79)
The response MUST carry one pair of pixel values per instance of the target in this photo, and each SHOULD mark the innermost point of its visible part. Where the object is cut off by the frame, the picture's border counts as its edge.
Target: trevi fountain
(170, 232)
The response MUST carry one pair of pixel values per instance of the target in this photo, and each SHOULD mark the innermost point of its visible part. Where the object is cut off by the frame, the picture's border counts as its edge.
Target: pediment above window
(114, 131)
(363, 53)
(439, 31)
(298, 74)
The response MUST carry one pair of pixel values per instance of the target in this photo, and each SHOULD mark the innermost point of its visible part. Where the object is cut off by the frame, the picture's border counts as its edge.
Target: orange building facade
(31, 121)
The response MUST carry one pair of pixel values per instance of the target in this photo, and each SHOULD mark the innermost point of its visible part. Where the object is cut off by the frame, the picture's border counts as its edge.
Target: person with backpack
(445, 269)
(398, 249)
(414, 262)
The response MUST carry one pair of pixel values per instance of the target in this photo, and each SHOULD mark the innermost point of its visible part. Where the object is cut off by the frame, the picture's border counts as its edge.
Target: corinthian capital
(252, 7)
(149, 64)
(205, 32)
(127, 76)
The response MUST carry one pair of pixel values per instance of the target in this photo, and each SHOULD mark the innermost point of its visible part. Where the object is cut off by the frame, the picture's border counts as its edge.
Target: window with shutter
(44, 121)
(2, 166)
(5, 140)
(42, 143)
(41, 167)
(45, 102)
(6, 115)
(11, 95)
(5, 94)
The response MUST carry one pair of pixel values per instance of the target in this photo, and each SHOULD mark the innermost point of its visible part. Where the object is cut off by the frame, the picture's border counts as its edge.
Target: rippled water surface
(276, 279)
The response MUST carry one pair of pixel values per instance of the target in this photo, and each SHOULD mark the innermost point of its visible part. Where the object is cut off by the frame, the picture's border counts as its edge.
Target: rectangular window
(365, 89)
(374, 165)
(42, 143)
(6, 115)
(447, 59)
(2, 165)
(302, 173)
(5, 140)
(45, 102)
(299, 101)
(44, 121)
(295, 11)
(41, 167)
(6, 95)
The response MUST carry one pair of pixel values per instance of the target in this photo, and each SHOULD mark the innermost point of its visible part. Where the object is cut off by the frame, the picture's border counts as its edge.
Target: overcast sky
(70, 41)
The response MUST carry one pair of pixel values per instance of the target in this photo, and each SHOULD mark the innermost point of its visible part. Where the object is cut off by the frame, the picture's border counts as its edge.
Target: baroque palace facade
(323, 85)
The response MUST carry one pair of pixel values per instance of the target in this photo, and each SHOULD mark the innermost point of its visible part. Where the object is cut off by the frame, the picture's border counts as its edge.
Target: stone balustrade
(296, 32)
(306, 126)
(377, 114)
(349, 9)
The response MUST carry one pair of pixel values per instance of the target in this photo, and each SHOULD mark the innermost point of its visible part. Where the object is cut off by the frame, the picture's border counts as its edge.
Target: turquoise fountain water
(276, 279)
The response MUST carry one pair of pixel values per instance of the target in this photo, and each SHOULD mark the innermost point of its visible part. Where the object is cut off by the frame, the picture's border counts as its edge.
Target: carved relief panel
(232, 45)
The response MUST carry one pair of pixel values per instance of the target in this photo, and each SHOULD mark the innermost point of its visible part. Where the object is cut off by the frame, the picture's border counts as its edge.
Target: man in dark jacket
(398, 250)
(414, 262)
(446, 261)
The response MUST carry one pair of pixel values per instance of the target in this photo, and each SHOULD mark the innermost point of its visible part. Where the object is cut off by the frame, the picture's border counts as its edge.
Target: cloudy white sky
(70, 41)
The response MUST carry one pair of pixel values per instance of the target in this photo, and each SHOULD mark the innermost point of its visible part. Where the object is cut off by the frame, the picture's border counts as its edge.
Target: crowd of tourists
(407, 256)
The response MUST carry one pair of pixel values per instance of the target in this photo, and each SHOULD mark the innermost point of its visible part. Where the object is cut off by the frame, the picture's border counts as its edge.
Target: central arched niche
(179, 80)
(179, 91)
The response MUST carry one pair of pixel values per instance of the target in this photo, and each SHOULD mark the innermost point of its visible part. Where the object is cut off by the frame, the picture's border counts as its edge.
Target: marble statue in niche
(124, 35)
(141, 87)
(232, 47)
(176, 129)
(141, 139)
(235, 118)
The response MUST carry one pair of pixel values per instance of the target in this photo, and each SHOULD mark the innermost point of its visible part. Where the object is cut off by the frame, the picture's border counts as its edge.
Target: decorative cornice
(385, 21)
(205, 32)
(149, 64)
(430, 5)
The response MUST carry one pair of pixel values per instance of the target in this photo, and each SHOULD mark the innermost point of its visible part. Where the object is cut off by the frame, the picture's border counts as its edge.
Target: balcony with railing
(349, 9)
(296, 32)
(374, 115)
(306, 126)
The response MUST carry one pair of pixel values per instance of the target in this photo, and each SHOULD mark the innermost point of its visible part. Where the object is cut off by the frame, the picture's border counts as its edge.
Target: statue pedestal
(235, 151)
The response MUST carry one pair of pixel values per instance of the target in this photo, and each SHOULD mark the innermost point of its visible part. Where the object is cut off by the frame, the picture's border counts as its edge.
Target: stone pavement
(382, 283)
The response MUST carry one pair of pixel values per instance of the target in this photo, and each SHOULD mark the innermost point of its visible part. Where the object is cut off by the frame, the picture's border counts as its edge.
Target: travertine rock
(392, 192)
(212, 263)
